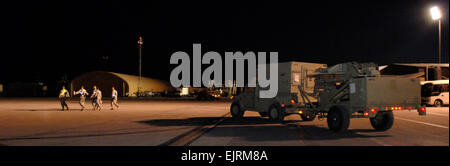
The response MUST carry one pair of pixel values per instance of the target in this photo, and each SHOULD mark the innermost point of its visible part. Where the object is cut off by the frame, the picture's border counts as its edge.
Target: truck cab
(343, 91)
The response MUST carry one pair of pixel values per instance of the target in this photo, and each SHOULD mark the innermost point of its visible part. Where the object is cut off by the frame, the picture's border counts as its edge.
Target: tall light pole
(140, 43)
(436, 15)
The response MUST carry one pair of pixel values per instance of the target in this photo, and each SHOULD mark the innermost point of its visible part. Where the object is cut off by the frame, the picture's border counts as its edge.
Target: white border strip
(444, 115)
(430, 124)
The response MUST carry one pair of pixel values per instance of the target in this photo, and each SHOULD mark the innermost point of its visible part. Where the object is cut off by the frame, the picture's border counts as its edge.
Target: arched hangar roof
(124, 83)
(147, 84)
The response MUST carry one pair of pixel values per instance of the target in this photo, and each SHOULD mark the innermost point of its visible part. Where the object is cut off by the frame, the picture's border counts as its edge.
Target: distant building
(1, 89)
(423, 71)
(126, 85)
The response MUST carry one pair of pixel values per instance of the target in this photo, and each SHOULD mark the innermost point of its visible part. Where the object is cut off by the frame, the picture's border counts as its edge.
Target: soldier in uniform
(63, 95)
(99, 102)
(114, 99)
(83, 93)
(94, 98)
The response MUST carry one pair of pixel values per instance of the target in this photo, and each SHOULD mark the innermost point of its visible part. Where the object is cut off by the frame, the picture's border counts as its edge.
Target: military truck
(338, 93)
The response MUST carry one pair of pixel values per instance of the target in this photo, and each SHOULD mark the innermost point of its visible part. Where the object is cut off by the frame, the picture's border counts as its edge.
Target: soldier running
(63, 95)
(98, 102)
(94, 98)
(83, 93)
(114, 99)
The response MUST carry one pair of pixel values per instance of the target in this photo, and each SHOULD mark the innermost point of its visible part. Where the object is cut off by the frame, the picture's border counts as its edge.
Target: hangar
(125, 84)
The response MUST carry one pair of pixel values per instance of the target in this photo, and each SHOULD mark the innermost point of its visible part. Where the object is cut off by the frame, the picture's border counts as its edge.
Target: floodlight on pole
(436, 15)
(140, 43)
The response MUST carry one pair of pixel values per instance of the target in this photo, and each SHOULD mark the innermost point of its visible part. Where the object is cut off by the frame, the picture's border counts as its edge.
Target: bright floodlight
(435, 13)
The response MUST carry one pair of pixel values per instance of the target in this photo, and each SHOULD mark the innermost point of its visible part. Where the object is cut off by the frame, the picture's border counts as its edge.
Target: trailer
(338, 93)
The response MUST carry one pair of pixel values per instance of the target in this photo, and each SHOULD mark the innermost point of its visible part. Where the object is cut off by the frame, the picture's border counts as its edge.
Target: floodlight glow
(435, 13)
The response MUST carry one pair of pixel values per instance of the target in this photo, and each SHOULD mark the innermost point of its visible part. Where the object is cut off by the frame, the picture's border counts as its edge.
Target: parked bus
(435, 92)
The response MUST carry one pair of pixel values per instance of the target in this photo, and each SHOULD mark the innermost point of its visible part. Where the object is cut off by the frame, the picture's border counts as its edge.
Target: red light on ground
(372, 110)
(366, 114)
(423, 109)
(392, 108)
(399, 108)
(378, 109)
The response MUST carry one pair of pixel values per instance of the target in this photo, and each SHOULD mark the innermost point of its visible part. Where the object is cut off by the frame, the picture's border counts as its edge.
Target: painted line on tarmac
(431, 113)
(187, 138)
(425, 123)
(444, 115)
(380, 142)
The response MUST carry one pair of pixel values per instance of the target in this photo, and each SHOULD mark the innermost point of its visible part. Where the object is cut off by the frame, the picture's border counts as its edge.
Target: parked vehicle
(435, 92)
(206, 94)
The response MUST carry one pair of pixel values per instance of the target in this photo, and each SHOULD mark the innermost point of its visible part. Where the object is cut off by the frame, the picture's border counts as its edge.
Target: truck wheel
(263, 114)
(437, 103)
(236, 111)
(275, 113)
(308, 116)
(338, 119)
(382, 121)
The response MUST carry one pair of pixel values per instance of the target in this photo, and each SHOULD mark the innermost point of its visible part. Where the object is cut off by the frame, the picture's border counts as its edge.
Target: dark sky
(43, 40)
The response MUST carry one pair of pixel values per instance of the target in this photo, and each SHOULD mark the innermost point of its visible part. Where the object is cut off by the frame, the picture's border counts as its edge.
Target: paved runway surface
(37, 122)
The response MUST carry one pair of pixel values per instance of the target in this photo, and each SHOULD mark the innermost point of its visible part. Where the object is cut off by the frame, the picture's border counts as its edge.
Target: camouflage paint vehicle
(340, 92)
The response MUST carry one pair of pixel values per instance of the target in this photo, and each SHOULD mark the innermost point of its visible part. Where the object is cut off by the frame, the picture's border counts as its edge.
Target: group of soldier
(96, 98)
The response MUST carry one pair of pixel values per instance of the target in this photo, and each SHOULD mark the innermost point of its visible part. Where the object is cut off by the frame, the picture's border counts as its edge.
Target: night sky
(43, 40)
